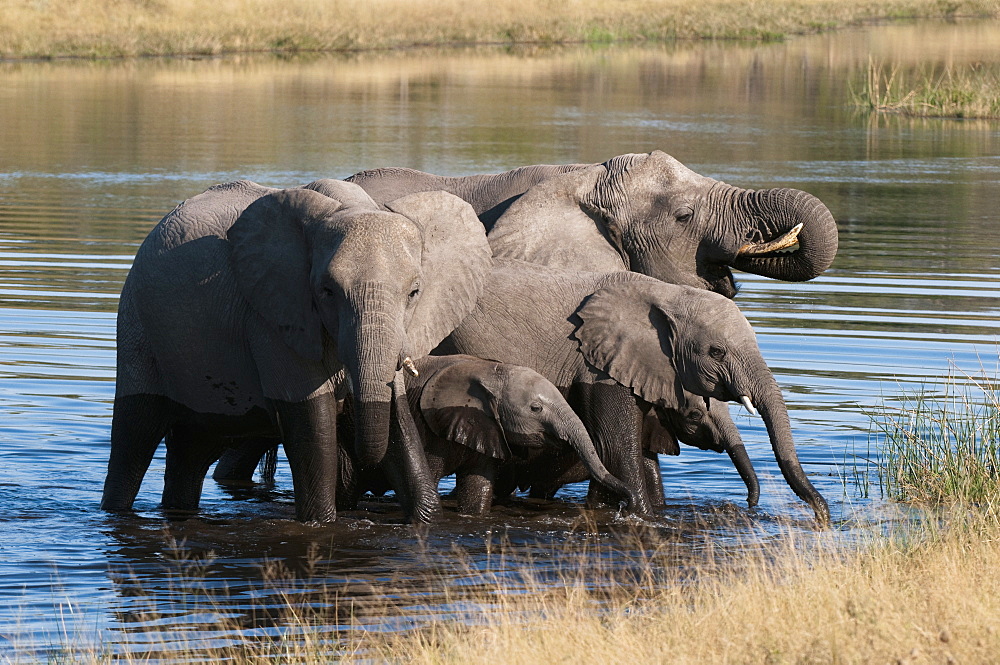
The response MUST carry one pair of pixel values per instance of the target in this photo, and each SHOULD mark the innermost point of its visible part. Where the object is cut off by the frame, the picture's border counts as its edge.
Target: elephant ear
(455, 261)
(658, 439)
(271, 258)
(459, 407)
(627, 331)
(349, 194)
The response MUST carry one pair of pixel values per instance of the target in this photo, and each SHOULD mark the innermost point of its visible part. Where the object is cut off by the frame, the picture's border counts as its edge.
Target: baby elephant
(474, 416)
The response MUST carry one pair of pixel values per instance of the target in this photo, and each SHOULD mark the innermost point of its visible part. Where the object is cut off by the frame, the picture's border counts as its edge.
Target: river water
(94, 153)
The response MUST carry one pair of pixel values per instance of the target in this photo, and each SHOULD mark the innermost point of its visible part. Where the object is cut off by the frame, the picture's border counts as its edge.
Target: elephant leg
(138, 424)
(654, 479)
(238, 464)
(309, 436)
(475, 490)
(405, 464)
(614, 421)
(190, 451)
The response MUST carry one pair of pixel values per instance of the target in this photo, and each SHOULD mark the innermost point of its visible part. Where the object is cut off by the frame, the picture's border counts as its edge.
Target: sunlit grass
(963, 91)
(927, 592)
(96, 28)
(940, 447)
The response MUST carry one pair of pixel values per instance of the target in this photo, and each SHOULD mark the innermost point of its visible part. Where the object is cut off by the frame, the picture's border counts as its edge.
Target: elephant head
(343, 283)
(662, 340)
(703, 424)
(489, 407)
(650, 214)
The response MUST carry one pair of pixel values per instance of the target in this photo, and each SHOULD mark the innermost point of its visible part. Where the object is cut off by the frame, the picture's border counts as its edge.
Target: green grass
(942, 447)
(967, 91)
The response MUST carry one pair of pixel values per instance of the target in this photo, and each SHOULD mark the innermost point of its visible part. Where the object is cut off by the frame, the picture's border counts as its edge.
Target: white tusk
(410, 367)
(748, 405)
(786, 241)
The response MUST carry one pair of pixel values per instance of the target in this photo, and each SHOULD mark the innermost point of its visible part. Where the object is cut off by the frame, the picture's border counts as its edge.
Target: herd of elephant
(522, 330)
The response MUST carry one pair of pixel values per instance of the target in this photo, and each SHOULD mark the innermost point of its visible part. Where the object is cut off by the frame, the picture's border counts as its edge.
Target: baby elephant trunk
(568, 427)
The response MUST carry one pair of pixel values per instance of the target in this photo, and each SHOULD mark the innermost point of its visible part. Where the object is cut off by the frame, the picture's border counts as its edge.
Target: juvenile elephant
(242, 305)
(642, 212)
(475, 416)
(606, 339)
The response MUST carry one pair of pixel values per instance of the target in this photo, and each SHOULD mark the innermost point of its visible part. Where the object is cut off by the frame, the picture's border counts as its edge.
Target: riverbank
(97, 29)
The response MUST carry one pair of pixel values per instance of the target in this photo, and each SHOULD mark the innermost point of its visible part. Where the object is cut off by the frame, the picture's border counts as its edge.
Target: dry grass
(930, 600)
(962, 91)
(113, 28)
(929, 594)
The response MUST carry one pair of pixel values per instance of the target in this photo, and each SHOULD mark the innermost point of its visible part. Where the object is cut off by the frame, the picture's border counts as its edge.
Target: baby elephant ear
(658, 439)
(271, 259)
(455, 261)
(627, 331)
(457, 406)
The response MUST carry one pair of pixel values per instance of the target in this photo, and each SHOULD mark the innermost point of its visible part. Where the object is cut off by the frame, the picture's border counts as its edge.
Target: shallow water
(93, 154)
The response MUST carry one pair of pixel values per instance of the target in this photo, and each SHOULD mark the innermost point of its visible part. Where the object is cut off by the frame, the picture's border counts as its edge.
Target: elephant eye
(414, 293)
(535, 407)
(328, 292)
(684, 215)
(696, 416)
(718, 353)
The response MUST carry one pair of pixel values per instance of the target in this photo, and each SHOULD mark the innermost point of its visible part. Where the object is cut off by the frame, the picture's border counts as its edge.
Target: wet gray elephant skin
(245, 302)
(642, 212)
(608, 339)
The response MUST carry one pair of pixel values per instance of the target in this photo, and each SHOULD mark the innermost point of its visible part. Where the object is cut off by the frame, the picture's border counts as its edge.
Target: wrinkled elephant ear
(271, 259)
(455, 261)
(457, 406)
(627, 331)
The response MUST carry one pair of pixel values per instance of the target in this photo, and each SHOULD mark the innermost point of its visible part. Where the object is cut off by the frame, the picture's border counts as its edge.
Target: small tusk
(410, 367)
(748, 405)
(782, 242)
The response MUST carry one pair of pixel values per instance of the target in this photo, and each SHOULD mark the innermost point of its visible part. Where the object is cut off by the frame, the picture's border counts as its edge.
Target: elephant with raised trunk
(245, 302)
(608, 339)
(642, 212)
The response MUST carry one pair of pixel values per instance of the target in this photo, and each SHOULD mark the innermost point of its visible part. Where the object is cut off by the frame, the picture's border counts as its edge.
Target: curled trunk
(772, 213)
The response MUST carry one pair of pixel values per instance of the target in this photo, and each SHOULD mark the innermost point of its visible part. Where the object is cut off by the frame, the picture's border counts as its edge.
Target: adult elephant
(242, 305)
(609, 338)
(642, 212)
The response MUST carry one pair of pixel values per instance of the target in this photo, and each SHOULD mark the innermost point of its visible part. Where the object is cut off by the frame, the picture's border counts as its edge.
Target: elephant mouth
(786, 243)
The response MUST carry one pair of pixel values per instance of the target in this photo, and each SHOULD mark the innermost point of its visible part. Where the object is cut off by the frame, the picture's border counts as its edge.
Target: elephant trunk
(569, 428)
(771, 246)
(737, 452)
(775, 415)
(370, 351)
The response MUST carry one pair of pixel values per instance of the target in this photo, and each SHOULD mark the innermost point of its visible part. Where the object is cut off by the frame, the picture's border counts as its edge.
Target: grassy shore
(969, 91)
(123, 28)
(927, 594)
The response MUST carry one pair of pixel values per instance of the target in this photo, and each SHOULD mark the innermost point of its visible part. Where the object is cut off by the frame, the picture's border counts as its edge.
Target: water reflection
(95, 153)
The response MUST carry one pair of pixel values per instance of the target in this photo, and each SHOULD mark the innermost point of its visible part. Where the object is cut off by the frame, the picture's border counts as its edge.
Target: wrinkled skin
(606, 339)
(248, 308)
(644, 212)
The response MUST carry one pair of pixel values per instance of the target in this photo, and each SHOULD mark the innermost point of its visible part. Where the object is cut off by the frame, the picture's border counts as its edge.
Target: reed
(966, 91)
(943, 446)
(101, 28)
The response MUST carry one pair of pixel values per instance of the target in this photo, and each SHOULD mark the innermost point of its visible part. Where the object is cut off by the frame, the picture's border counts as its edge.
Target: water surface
(94, 153)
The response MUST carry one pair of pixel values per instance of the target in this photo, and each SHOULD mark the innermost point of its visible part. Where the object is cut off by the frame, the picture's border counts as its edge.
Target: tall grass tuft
(941, 448)
(968, 91)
